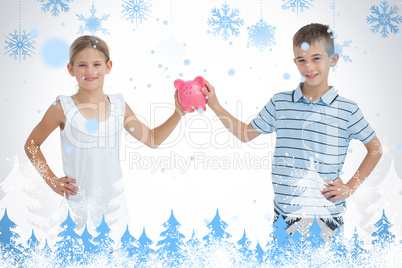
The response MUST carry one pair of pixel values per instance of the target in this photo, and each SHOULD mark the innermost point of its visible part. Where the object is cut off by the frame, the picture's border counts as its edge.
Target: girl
(90, 125)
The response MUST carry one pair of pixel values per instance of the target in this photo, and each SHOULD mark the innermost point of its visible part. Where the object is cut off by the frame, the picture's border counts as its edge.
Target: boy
(314, 126)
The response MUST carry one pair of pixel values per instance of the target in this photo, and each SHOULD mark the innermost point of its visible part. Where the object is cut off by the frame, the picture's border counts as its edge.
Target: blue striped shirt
(312, 140)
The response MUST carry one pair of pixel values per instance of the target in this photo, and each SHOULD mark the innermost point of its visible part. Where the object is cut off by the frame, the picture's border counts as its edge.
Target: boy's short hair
(315, 32)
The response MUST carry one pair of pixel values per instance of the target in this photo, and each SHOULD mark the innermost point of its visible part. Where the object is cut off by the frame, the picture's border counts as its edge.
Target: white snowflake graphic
(383, 19)
(136, 10)
(19, 44)
(92, 24)
(225, 21)
(297, 5)
(54, 4)
(261, 35)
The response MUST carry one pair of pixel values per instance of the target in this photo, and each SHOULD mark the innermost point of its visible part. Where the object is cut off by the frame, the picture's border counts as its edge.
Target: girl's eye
(81, 65)
(317, 58)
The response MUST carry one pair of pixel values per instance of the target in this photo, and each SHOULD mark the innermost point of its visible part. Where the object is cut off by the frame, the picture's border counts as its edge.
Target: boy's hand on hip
(336, 189)
(63, 186)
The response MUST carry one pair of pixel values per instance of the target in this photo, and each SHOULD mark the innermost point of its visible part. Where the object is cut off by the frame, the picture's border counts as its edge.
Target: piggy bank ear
(178, 83)
(200, 80)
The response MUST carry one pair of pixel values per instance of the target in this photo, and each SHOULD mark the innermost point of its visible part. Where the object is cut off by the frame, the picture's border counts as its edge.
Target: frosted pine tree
(279, 234)
(314, 239)
(143, 250)
(10, 248)
(128, 243)
(390, 190)
(338, 244)
(356, 244)
(86, 239)
(383, 234)
(217, 229)
(69, 248)
(172, 245)
(259, 253)
(103, 241)
(21, 201)
(309, 195)
(193, 241)
(244, 244)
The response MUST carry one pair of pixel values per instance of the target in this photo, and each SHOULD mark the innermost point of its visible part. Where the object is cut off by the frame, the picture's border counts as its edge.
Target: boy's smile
(314, 64)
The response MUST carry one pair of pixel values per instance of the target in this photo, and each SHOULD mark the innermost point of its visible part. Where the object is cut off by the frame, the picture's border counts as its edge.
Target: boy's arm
(152, 138)
(341, 190)
(53, 118)
(244, 132)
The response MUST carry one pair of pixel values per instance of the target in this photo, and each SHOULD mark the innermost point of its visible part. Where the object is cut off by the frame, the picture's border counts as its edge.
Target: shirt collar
(327, 98)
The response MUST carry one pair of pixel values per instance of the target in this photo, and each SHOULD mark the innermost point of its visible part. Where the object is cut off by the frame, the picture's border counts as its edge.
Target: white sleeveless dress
(90, 152)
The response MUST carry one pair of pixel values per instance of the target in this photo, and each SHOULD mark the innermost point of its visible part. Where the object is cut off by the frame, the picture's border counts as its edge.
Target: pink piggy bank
(190, 94)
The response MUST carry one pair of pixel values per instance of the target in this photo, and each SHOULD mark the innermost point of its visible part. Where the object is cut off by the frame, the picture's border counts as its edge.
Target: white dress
(90, 152)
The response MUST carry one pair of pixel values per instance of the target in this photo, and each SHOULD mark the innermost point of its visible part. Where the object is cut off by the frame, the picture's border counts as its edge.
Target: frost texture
(74, 250)
(297, 5)
(92, 24)
(261, 35)
(225, 23)
(19, 44)
(384, 19)
(136, 10)
(54, 5)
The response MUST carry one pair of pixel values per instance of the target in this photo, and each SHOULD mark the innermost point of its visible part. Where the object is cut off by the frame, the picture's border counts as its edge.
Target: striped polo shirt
(312, 140)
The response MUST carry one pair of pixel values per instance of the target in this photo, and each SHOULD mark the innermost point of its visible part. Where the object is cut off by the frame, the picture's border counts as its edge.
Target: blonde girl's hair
(85, 41)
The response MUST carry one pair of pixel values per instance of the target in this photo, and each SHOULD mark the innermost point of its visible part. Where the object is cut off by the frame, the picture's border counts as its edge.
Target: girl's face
(89, 69)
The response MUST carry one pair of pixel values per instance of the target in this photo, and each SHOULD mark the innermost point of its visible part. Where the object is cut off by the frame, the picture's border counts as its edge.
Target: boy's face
(314, 64)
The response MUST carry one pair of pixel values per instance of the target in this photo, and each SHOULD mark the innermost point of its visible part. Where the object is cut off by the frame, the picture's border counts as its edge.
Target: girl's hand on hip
(63, 186)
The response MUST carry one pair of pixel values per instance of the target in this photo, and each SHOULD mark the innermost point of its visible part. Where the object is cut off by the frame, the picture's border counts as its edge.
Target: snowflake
(261, 35)
(339, 50)
(383, 19)
(19, 44)
(297, 5)
(136, 10)
(55, 6)
(225, 22)
(92, 24)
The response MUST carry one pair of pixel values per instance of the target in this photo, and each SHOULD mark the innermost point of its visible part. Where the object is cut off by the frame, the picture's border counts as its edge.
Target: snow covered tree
(86, 238)
(280, 235)
(21, 199)
(46, 250)
(216, 230)
(8, 238)
(356, 245)
(33, 242)
(338, 245)
(128, 243)
(172, 243)
(68, 248)
(297, 237)
(244, 244)
(193, 241)
(309, 194)
(259, 253)
(144, 250)
(383, 234)
(103, 241)
(315, 239)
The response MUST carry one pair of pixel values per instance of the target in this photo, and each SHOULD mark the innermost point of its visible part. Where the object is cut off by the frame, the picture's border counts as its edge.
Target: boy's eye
(317, 58)
(81, 65)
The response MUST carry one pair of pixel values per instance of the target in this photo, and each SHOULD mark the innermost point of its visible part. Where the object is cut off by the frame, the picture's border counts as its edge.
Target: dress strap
(118, 104)
(66, 104)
